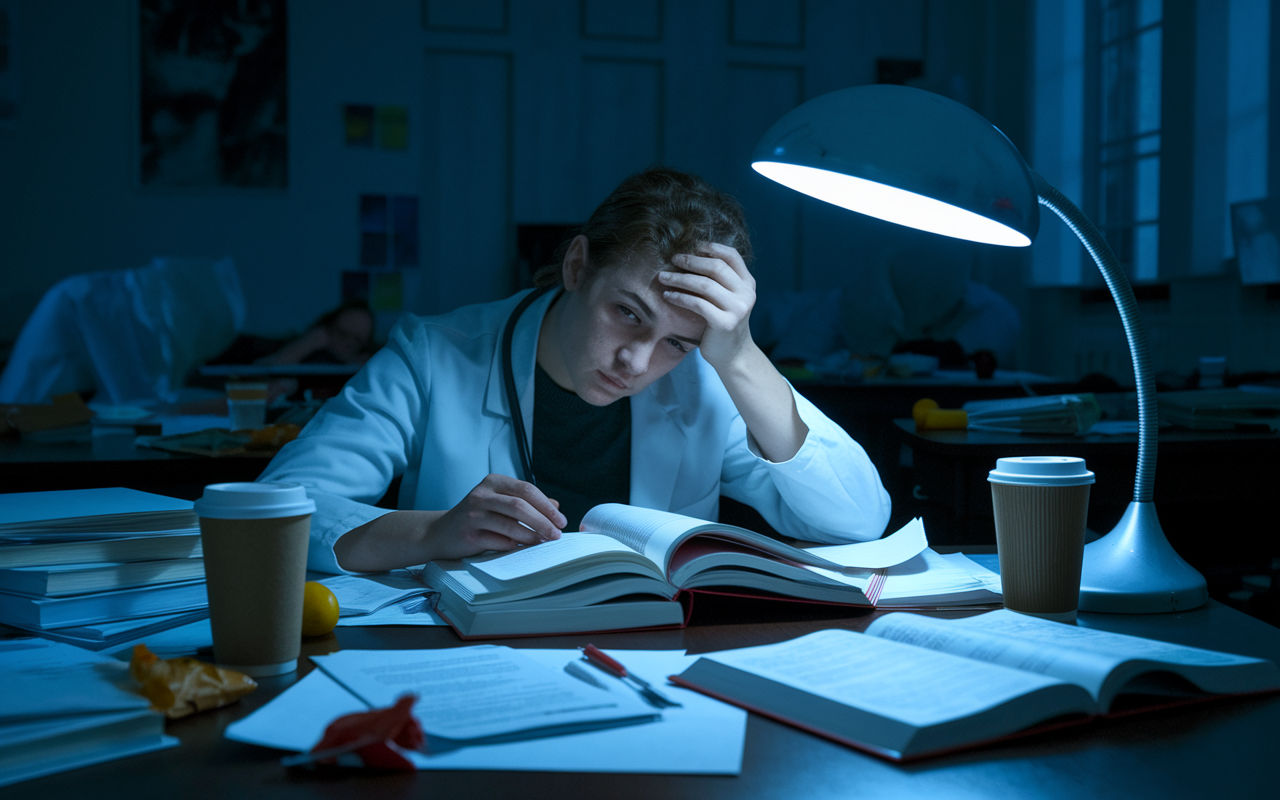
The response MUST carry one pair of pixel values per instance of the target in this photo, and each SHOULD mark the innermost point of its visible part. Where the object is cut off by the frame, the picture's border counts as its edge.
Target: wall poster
(213, 94)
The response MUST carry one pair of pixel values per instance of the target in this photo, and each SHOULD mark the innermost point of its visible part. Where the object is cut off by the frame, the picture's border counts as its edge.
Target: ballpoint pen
(603, 662)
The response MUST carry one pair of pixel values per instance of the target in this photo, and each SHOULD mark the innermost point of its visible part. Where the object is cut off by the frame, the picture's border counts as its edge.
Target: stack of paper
(64, 707)
(1062, 413)
(96, 567)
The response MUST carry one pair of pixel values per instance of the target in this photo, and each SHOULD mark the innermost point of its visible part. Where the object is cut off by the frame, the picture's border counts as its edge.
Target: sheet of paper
(703, 737)
(467, 693)
(364, 594)
(893, 549)
(929, 574)
(414, 611)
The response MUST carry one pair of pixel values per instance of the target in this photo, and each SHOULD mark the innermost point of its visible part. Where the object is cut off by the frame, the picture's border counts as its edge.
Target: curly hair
(657, 213)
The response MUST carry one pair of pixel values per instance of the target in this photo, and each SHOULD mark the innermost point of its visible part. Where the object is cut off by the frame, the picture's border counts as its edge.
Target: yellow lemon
(319, 609)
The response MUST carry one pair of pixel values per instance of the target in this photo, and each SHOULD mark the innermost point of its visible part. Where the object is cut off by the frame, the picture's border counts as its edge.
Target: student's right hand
(490, 517)
(500, 513)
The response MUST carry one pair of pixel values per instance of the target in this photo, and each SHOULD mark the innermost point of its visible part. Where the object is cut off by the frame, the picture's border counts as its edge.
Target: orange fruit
(319, 609)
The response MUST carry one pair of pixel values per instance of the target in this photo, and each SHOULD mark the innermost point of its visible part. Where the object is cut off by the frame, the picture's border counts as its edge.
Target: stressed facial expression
(615, 334)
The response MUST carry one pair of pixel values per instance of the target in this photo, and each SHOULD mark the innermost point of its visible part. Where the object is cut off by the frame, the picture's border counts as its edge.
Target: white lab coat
(431, 406)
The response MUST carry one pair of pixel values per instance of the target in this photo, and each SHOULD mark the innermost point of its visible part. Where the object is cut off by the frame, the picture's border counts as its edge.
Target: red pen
(596, 657)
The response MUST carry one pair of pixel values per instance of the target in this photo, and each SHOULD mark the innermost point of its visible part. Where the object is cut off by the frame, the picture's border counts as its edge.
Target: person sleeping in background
(343, 335)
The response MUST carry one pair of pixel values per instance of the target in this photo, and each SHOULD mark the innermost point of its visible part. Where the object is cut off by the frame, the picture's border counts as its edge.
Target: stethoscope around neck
(509, 381)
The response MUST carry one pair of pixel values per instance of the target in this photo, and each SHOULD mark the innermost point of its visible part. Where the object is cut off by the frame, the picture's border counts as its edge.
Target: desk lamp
(919, 159)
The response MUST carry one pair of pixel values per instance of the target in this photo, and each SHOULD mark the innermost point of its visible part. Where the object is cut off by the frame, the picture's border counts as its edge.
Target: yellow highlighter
(929, 417)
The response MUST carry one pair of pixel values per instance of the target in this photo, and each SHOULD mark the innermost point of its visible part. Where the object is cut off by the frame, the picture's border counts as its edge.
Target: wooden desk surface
(1225, 748)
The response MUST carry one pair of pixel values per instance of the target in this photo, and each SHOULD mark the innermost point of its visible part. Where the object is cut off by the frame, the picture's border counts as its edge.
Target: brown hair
(660, 212)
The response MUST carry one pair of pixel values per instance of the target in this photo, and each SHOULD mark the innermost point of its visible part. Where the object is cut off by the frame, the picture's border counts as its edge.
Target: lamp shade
(906, 156)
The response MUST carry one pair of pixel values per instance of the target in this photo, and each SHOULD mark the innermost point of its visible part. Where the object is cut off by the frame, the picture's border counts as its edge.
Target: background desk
(112, 459)
(1219, 749)
(1214, 492)
(866, 410)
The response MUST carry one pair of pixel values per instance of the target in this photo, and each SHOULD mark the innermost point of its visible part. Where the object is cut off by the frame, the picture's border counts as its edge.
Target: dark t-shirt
(581, 452)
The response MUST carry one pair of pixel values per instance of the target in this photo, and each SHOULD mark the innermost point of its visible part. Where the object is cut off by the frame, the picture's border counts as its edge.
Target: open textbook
(628, 564)
(915, 686)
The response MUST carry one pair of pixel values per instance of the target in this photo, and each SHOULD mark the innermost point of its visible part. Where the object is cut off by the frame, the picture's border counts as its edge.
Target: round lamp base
(1134, 570)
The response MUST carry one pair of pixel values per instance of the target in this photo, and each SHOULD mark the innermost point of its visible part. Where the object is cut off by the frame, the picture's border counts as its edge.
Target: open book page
(648, 531)
(568, 549)
(1081, 667)
(897, 547)
(657, 534)
(1099, 661)
(893, 680)
(471, 693)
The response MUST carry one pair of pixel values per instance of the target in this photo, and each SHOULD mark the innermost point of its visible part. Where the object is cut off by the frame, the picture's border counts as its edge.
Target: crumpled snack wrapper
(183, 686)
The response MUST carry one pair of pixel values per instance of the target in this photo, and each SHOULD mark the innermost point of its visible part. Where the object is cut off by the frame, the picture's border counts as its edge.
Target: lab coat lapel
(658, 442)
(503, 456)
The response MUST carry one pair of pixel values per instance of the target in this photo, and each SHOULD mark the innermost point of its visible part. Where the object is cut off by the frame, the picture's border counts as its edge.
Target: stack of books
(65, 707)
(97, 567)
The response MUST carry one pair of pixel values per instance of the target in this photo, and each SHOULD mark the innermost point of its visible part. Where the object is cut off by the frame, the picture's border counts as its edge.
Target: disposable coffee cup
(247, 404)
(1040, 507)
(255, 538)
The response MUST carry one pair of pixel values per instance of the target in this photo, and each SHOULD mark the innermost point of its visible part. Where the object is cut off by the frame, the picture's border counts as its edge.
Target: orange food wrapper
(273, 437)
(183, 686)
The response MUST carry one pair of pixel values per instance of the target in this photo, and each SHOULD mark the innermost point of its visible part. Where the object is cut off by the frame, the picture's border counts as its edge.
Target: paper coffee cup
(255, 539)
(1040, 505)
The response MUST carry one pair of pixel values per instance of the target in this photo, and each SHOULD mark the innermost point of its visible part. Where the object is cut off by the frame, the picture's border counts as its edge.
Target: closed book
(106, 635)
(56, 580)
(65, 707)
(913, 687)
(91, 513)
(136, 548)
(25, 610)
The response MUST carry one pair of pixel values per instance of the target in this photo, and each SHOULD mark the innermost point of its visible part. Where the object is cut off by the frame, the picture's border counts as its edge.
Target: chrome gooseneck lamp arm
(918, 159)
(1132, 569)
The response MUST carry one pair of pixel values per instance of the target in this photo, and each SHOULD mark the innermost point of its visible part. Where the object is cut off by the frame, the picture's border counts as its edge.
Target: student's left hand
(717, 287)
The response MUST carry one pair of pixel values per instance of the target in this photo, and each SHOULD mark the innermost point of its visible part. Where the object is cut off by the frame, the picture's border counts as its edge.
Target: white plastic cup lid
(254, 501)
(1041, 471)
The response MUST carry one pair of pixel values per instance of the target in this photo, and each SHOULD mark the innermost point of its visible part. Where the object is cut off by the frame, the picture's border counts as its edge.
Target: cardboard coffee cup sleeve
(182, 686)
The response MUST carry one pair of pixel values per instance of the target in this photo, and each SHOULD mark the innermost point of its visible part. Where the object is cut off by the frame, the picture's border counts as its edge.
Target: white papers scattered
(487, 692)
(364, 594)
(704, 737)
(933, 580)
(893, 549)
(414, 611)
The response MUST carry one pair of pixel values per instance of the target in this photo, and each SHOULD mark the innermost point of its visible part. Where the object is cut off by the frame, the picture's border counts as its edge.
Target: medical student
(629, 376)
